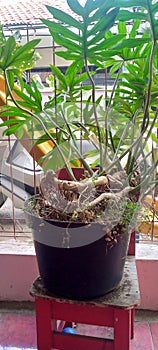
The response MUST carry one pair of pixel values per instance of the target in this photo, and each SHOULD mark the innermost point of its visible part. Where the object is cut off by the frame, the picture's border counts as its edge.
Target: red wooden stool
(115, 309)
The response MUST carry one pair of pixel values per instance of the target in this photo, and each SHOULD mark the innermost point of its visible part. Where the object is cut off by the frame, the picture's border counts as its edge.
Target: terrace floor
(18, 329)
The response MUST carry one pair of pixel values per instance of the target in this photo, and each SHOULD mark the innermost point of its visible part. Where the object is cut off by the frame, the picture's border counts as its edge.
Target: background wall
(18, 271)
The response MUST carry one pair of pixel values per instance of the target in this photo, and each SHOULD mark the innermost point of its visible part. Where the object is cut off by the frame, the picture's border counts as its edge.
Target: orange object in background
(36, 151)
(150, 227)
(149, 200)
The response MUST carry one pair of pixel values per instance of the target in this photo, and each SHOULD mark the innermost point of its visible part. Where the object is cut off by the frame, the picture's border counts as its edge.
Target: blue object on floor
(69, 330)
(137, 236)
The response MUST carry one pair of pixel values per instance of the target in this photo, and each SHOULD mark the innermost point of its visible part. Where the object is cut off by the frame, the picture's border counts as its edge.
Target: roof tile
(28, 11)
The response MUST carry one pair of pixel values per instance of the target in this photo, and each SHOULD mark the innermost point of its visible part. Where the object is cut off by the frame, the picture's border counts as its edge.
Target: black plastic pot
(75, 261)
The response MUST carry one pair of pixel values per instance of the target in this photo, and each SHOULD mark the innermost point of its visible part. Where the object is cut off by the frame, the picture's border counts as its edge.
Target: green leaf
(13, 129)
(76, 7)
(10, 131)
(124, 91)
(23, 96)
(109, 63)
(74, 68)
(8, 122)
(122, 28)
(115, 67)
(101, 12)
(68, 44)
(71, 73)
(23, 51)
(59, 75)
(153, 9)
(36, 93)
(96, 39)
(81, 78)
(56, 27)
(132, 43)
(134, 31)
(31, 103)
(131, 69)
(125, 15)
(145, 71)
(154, 138)
(105, 23)
(69, 55)
(142, 51)
(20, 133)
(7, 52)
(64, 17)
(86, 87)
(23, 64)
(106, 43)
(131, 86)
(137, 82)
(91, 5)
(15, 113)
(2, 37)
(10, 77)
(128, 3)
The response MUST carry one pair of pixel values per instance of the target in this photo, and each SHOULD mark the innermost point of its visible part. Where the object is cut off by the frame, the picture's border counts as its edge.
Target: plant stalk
(95, 111)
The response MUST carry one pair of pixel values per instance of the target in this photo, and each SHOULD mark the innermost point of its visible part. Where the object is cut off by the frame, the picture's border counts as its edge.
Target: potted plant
(88, 200)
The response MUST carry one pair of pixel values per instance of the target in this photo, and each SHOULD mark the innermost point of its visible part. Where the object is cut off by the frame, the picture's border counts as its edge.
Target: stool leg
(132, 323)
(122, 329)
(43, 324)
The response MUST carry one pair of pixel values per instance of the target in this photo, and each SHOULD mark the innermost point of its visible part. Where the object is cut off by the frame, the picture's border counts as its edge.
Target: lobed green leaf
(64, 17)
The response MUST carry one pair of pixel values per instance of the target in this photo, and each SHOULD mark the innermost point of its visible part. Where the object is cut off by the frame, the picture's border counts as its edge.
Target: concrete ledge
(147, 267)
(147, 251)
(17, 272)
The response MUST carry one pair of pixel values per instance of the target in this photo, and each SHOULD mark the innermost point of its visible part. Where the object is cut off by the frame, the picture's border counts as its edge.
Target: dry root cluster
(82, 201)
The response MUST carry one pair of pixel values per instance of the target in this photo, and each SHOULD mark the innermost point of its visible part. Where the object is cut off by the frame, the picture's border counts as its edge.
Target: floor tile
(142, 337)
(154, 334)
(17, 331)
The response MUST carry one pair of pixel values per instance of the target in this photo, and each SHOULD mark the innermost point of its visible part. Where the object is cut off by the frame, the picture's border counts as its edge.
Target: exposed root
(65, 185)
(109, 195)
(69, 195)
(83, 200)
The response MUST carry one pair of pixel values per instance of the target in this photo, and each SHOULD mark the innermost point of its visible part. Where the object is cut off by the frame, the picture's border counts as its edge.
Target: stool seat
(115, 309)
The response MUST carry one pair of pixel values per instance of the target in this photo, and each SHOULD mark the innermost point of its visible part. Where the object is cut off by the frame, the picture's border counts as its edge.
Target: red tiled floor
(146, 334)
(154, 334)
(142, 337)
(18, 332)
